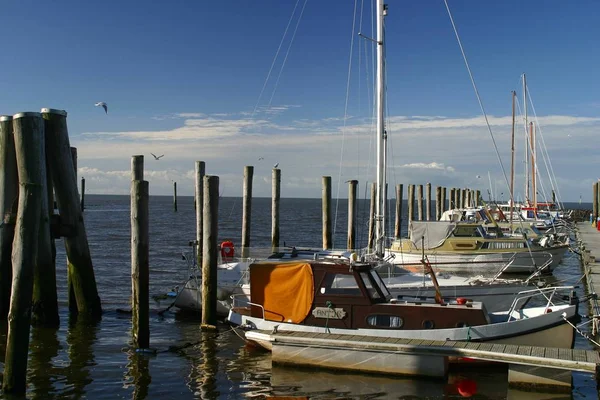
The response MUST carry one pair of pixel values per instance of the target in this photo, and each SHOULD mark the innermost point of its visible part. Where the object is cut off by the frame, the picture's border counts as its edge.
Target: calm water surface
(95, 361)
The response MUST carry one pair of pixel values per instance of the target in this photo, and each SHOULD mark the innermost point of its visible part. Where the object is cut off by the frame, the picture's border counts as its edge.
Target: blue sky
(183, 79)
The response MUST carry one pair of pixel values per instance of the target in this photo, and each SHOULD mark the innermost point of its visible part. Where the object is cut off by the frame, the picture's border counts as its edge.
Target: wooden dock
(529, 366)
(589, 243)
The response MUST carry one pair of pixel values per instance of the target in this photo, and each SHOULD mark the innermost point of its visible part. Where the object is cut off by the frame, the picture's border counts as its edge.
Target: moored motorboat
(315, 296)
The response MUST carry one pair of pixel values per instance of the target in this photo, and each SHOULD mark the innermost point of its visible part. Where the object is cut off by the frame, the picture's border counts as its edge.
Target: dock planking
(567, 359)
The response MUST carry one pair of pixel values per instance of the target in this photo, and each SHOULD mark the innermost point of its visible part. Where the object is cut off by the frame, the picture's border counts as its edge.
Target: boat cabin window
(339, 284)
(380, 283)
(369, 285)
(385, 321)
(468, 231)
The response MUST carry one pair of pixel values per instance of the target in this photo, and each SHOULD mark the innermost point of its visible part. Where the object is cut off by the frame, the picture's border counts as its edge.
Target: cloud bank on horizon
(452, 152)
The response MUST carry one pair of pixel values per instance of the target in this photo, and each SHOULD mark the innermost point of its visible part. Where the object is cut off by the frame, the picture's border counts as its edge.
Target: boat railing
(548, 293)
(238, 300)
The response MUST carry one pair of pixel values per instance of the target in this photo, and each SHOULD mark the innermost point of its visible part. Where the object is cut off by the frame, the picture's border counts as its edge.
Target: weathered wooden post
(29, 145)
(553, 197)
(210, 250)
(137, 168)
(453, 199)
(420, 202)
(594, 215)
(468, 201)
(399, 200)
(371, 238)
(140, 263)
(80, 268)
(44, 299)
(275, 196)
(82, 194)
(247, 210)
(326, 212)
(175, 196)
(443, 205)
(200, 169)
(438, 203)
(352, 188)
(477, 198)
(428, 201)
(9, 196)
(411, 203)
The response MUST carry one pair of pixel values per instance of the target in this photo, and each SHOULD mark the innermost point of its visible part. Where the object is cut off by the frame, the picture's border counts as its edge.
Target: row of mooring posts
(37, 166)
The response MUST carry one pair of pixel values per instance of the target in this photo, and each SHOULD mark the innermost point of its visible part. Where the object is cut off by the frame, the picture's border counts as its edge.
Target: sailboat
(349, 297)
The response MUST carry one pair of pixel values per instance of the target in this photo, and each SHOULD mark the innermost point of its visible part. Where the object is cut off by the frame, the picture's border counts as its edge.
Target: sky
(262, 82)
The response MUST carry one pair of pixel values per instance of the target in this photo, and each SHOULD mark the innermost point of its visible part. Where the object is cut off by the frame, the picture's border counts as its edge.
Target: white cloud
(443, 151)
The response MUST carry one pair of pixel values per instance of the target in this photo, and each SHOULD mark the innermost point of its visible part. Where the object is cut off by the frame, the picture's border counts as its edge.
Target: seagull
(157, 157)
(103, 105)
(276, 164)
(260, 158)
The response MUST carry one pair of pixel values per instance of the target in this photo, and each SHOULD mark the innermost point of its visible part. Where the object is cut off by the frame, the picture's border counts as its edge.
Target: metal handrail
(529, 294)
(233, 300)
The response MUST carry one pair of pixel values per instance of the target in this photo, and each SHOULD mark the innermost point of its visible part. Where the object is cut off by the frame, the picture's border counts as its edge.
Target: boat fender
(227, 249)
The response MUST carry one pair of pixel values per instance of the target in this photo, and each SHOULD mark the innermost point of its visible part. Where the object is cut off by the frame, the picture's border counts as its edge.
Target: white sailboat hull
(478, 263)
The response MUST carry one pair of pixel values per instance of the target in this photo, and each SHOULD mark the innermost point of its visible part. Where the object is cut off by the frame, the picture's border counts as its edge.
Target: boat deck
(589, 237)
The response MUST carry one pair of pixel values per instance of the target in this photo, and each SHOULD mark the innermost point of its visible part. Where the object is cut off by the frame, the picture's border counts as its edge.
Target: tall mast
(526, 140)
(512, 161)
(532, 141)
(380, 194)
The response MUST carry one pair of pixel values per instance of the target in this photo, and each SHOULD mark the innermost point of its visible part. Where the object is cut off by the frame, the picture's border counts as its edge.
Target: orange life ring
(227, 249)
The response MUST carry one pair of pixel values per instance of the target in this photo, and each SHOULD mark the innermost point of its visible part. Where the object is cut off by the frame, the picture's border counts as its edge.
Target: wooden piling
(371, 238)
(175, 196)
(137, 168)
(411, 203)
(477, 198)
(29, 137)
(595, 203)
(140, 263)
(82, 194)
(9, 197)
(399, 200)
(443, 205)
(200, 171)
(246, 210)
(553, 197)
(438, 203)
(80, 267)
(352, 189)
(29, 145)
(326, 212)
(420, 202)
(428, 201)
(275, 197)
(468, 201)
(210, 250)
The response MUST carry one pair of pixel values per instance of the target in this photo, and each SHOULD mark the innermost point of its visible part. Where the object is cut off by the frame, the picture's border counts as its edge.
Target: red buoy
(227, 250)
(461, 300)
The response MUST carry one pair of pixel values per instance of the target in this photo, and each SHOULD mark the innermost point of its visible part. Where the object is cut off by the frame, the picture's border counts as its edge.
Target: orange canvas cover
(285, 290)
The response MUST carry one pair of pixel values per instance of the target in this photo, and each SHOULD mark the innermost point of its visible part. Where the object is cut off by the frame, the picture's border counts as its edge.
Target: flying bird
(103, 105)
(157, 157)
(276, 165)
(260, 158)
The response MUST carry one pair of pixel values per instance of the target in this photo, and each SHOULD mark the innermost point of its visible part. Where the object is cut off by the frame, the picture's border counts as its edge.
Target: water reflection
(42, 372)
(81, 336)
(138, 374)
(202, 379)
(321, 384)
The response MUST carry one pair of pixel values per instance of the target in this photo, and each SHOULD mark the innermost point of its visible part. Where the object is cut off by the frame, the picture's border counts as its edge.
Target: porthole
(428, 324)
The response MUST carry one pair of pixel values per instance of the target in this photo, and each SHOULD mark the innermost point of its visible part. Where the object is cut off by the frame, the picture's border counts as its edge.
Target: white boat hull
(478, 263)
(539, 329)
